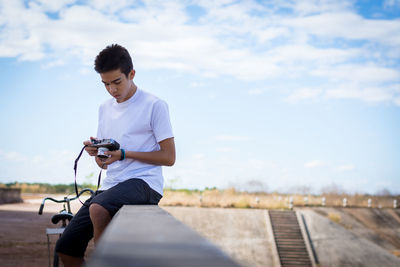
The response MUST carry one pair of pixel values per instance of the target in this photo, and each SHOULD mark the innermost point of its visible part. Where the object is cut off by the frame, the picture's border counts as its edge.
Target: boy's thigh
(77, 234)
(130, 192)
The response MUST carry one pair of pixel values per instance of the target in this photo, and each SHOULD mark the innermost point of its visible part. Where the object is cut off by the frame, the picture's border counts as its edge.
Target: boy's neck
(132, 91)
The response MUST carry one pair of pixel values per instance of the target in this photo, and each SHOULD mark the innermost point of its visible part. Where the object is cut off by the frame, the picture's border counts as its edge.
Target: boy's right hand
(92, 151)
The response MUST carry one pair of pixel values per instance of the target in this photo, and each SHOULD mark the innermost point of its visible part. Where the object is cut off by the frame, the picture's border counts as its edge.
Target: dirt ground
(23, 240)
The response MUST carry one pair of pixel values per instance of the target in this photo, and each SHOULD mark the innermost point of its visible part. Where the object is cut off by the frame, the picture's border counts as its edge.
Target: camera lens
(100, 152)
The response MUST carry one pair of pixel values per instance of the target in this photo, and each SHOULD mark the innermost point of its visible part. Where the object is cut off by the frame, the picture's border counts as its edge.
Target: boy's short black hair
(113, 57)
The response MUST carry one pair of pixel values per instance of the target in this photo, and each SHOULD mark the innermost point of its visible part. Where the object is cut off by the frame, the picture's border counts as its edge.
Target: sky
(263, 95)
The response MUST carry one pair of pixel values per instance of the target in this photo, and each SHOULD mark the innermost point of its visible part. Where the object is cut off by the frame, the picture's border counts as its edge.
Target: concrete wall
(10, 195)
(336, 245)
(147, 235)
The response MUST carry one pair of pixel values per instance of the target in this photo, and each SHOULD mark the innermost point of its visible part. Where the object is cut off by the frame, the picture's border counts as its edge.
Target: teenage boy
(140, 123)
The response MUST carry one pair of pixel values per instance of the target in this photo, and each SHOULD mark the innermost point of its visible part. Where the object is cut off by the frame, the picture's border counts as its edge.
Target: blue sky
(263, 95)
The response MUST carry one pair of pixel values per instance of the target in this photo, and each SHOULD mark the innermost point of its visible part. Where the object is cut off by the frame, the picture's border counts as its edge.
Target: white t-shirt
(137, 124)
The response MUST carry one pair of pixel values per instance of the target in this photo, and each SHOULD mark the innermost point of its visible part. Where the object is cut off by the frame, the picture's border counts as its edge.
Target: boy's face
(118, 85)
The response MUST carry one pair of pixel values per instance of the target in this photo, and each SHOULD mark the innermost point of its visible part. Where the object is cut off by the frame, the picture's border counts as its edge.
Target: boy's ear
(131, 74)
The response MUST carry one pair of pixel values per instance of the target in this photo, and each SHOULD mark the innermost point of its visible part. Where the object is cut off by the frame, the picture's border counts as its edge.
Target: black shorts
(79, 231)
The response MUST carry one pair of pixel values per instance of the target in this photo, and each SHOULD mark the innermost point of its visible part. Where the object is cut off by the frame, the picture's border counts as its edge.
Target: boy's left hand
(115, 155)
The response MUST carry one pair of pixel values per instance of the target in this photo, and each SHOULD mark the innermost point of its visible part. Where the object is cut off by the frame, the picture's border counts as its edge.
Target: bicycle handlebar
(66, 199)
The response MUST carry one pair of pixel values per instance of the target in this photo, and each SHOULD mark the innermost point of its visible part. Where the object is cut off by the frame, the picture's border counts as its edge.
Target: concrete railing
(147, 235)
(10, 195)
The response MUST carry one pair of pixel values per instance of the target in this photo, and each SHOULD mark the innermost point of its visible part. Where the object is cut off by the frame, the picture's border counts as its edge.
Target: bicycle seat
(61, 216)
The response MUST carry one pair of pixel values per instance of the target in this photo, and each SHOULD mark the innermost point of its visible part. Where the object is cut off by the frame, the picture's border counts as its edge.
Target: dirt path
(23, 240)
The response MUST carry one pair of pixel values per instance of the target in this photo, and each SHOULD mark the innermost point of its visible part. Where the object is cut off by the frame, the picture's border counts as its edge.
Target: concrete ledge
(10, 195)
(146, 235)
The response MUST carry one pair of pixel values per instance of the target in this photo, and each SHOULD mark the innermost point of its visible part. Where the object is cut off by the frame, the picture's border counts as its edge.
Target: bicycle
(63, 215)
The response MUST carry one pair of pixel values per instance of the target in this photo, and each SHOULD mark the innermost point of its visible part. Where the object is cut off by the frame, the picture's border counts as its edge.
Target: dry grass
(334, 217)
(396, 252)
(224, 199)
(230, 198)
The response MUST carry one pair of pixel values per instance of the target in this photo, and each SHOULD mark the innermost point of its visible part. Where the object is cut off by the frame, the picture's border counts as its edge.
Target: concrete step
(289, 239)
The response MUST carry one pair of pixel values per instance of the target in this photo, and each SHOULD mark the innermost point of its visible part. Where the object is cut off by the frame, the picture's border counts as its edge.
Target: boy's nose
(112, 88)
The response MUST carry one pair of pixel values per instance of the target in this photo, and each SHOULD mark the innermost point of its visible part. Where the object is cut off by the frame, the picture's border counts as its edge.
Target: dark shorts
(79, 231)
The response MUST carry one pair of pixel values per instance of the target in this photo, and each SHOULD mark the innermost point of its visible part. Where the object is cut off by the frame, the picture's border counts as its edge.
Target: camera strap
(75, 168)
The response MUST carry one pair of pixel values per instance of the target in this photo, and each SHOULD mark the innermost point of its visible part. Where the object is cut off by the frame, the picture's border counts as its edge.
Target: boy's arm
(165, 156)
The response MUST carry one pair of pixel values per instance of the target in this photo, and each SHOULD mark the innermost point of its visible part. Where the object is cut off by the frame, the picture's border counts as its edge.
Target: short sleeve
(160, 121)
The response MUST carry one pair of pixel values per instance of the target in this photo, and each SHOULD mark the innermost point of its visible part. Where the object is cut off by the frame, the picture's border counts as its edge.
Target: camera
(104, 145)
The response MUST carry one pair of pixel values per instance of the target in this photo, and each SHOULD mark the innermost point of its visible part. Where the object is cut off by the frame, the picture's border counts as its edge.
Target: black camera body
(104, 145)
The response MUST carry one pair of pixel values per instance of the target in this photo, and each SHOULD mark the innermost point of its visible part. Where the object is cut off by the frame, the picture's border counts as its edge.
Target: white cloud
(212, 96)
(314, 164)
(345, 168)
(196, 84)
(311, 7)
(12, 156)
(199, 156)
(246, 40)
(367, 94)
(361, 73)
(231, 138)
(348, 25)
(304, 94)
(391, 3)
(397, 101)
(38, 159)
(256, 91)
(49, 5)
(225, 149)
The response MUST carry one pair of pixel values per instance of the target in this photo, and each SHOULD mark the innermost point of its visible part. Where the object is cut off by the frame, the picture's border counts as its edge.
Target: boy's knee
(68, 260)
(98, 212)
